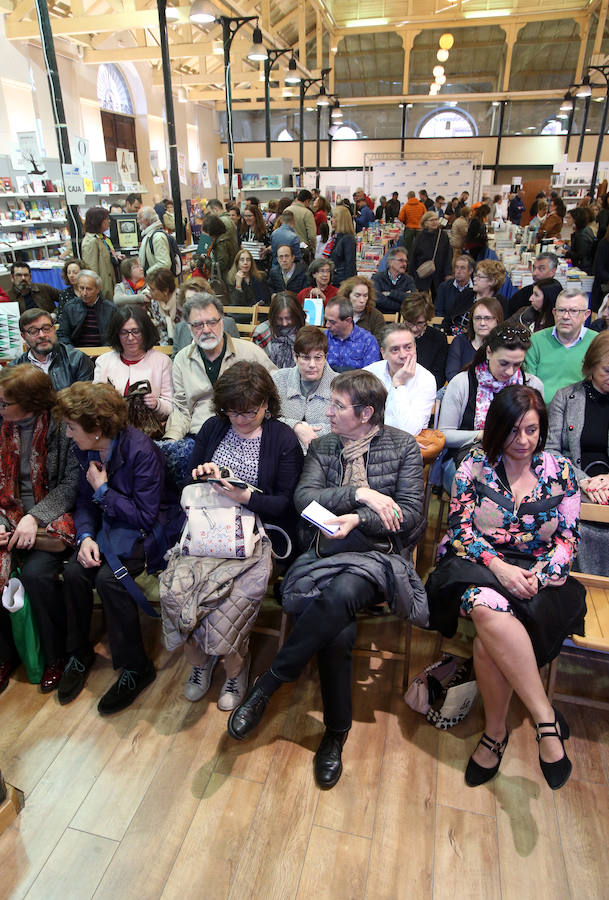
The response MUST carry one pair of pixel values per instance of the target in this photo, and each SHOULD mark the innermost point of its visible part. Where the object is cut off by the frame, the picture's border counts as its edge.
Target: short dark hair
(509, 405)
(30, 315)
(95, 406)
(94, 218)
(345, 307)
(213, 225)
(28, 386)
(415, 304)
(494, 307)
(150, 333)
(551, 257)
(303, 195)
(72, 260)
(241, 386)
(19, 264)
(214, 203)
(285, 300)
(131, 198)
(580, 217)
(507, 335)
(364, 389)
(309, 339)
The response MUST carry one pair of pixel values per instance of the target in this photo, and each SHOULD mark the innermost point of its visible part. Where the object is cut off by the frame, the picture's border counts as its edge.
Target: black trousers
(39, 574)
(327, 627)
(122, 616)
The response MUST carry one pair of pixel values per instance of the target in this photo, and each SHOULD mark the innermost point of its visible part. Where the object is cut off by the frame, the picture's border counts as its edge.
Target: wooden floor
(157, 801)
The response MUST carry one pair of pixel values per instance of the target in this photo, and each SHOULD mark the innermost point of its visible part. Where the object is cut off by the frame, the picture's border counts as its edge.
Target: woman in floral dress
(512, 536)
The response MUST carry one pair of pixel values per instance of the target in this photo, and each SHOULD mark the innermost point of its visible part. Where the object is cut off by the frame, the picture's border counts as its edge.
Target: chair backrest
(94, 352)
(391, 317)
(250, 312)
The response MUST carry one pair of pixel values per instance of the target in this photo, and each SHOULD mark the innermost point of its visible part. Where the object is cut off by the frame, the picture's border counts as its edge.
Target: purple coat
(136, 495)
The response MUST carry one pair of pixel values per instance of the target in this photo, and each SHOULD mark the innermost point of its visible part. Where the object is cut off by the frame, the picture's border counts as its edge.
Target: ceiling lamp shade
(172, 13)
(337, 112)
(202, 13)
(440, 79)
(584, 90)
(446, 41)
(567, 103)
(437, 70)
(442, 55)
(257, 51)
(434, 88)
(323, 99)
(292, 77)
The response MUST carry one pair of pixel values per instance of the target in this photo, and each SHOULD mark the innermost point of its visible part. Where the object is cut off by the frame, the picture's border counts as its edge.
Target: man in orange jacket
(410, 216)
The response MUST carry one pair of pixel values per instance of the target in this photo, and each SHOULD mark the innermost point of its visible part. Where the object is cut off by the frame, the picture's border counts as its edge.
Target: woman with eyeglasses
(497, 363)
(431, 344)
(485, 315)
(38, 486)
(133, 359)
(304, 389)
(245, 436)
(369, 477)
(487, 279)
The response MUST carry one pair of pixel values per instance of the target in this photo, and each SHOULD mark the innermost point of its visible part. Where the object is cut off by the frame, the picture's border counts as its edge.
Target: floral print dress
(484, 523)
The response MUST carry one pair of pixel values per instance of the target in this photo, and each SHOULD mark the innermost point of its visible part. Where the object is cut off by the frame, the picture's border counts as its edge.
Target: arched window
(446, 123)
(553, 126)
(112, 91)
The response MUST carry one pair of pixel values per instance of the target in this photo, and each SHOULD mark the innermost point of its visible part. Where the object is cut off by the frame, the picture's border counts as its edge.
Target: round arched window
(112, 91)
(446, 123)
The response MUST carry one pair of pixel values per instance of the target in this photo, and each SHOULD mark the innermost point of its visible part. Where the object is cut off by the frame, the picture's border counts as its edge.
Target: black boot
(328, 764)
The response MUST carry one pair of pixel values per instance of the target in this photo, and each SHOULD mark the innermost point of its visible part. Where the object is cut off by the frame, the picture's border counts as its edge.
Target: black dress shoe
(5, 672)
(555, 773)
(244, 718)
(328, 763)
(475, 774)
(51, 676)
(124, 691)
(74, 676)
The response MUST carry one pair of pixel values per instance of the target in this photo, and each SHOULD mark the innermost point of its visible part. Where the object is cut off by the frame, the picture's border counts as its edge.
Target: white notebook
(318, 515)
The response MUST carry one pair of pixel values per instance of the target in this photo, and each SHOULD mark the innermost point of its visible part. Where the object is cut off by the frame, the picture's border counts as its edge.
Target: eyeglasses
(130, 332)
(43, 329)
(311, 359)
(422, 323)
(340, 407)
(199, 326)
(247, 416)
(481, 319)
(569, 313)
(5, 403)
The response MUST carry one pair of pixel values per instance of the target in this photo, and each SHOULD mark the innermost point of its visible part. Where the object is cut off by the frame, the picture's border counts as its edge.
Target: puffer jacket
(394, 466)
(213, 603)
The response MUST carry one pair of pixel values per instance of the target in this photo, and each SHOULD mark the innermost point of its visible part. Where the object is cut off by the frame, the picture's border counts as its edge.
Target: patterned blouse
(483, 522)
(241, 455)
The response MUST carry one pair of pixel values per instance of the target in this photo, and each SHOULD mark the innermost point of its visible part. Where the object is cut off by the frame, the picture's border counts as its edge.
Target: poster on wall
(123, 162)
(81, 157)
(182, 167)
(205, 174)
(10, 337)
(157, 175)
(448, 177)
(29, 153)
(220, 170)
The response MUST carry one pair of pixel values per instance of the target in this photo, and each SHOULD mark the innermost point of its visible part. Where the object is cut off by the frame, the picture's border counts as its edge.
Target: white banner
(448, 177)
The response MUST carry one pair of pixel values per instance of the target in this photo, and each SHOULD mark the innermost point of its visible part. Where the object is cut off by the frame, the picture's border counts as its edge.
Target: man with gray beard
(196, 368)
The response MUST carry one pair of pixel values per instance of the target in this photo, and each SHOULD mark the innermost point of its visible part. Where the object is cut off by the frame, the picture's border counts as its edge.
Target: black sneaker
(74, 676)
(124, 691)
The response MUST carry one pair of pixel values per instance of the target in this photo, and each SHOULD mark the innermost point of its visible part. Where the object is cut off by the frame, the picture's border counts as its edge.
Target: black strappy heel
(555, 773)
(475, 774)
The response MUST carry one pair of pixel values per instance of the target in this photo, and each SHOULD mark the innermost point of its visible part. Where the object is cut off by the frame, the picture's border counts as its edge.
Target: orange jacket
(411, 212)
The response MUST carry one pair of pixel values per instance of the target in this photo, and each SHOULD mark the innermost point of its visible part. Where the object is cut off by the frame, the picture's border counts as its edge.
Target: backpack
(174, 253)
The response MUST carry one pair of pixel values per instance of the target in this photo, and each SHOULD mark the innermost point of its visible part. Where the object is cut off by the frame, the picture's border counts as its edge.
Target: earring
(267, 414)
(96, 437)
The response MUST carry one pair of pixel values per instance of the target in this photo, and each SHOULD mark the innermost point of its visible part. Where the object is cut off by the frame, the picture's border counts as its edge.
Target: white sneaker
(199, 680)
(234, 690)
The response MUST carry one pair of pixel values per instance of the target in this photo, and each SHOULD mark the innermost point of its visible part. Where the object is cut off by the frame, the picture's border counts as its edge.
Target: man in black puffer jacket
(370, 478)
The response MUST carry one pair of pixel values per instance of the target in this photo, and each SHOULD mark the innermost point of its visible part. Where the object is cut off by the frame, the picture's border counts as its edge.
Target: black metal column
(583, 131)
(174, 177)
(267, 106)
(318, 149)
(570, 127)
(301, 138)
(403, 133)
(599, 146)
(499, 136)
(59, 116)
(330, 122)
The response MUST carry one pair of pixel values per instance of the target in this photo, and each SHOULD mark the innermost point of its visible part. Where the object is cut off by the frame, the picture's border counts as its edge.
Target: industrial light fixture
(172, 13)
(337, 112)
(287, 93)
(442, 55)
(292, 77)
(202, 13)
(495, 103)
(434, 89)
(437, 70)
(446, 41)
(257, 51)
(584, 90)
(401, 105)
(440, 79)
(323, 99)
(567, 103)
(182, 95)
(217, 49)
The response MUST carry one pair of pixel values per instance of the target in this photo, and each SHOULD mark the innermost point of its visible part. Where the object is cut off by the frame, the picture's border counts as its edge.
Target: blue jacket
(366, 216)
(135, 494)
(284, 236)
(390, 296)
(279, 467)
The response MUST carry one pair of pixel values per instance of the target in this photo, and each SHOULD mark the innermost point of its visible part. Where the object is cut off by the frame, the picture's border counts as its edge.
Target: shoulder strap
(437, 242)
(123, 576)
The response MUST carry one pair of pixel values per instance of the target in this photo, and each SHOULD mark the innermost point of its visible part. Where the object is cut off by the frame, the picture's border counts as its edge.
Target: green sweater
(555, 364)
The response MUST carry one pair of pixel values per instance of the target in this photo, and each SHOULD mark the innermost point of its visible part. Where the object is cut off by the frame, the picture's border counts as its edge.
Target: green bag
(26, 637)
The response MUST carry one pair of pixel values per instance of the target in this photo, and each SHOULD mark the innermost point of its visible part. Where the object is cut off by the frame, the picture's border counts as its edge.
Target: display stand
(448, 173)
(268, 179)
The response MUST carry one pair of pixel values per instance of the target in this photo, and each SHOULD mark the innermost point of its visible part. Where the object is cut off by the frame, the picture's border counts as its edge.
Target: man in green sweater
(557, 353)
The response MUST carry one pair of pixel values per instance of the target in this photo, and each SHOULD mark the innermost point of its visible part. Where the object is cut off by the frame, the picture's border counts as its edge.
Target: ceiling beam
(110, 22)
(216, 77)
(153, 54)
(449, 22)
